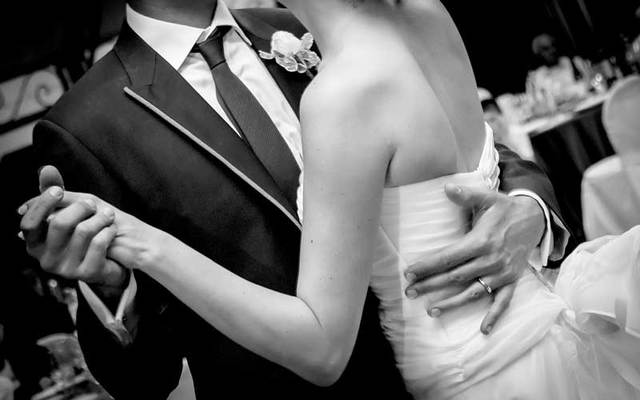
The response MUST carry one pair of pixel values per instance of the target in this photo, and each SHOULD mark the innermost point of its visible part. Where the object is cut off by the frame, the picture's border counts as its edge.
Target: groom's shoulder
(95, 92)
(280, 18)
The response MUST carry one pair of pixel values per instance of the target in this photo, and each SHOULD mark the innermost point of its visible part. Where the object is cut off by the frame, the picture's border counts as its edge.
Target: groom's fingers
(500, 304)
(33, 224)
(72, 197)
(83, 237)
(474, 292)
(468, 248)
(67, 199)
(61, 226)
(49, 176)
(467, 272)
(471, 198)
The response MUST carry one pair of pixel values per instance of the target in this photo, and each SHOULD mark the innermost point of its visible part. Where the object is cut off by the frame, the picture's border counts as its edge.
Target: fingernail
(21, 235)
(488, 329)
(435, 312)
(412, 294)
(56, 191)
(23, 209)
(410, 277)
(109, 213)
(457, 189)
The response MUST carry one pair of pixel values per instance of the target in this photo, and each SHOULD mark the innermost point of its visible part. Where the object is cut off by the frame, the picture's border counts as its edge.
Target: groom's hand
(505, 230)
(71, 242)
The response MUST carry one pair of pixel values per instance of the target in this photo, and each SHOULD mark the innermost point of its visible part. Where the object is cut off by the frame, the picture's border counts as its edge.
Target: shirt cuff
(113, 323)
(539, 257)
(560, 237)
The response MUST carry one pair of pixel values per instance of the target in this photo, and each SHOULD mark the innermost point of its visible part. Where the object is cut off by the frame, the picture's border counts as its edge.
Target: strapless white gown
(579, 341)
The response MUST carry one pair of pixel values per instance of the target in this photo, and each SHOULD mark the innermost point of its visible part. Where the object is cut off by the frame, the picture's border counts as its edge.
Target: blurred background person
(551, 61)
(555, 73)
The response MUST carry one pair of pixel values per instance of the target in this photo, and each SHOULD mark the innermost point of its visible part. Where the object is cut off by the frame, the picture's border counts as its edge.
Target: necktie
(250, 118)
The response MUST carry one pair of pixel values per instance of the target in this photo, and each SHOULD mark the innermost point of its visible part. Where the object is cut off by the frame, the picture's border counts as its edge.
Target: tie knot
(211, 48)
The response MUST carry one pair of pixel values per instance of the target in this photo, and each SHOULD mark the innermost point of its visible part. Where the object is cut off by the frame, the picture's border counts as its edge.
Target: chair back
(621, 119)
(611, 187)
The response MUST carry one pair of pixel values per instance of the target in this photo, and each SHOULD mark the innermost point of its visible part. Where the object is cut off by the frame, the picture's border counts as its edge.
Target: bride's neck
(332, 22)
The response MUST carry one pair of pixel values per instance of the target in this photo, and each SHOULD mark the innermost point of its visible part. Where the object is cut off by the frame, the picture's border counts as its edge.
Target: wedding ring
(485, 286)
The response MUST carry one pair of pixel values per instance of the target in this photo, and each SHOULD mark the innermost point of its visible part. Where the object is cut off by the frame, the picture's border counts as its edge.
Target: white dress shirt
(174, 43)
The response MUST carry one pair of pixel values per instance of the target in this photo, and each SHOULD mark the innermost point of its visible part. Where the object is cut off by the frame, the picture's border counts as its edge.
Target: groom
(205, 145)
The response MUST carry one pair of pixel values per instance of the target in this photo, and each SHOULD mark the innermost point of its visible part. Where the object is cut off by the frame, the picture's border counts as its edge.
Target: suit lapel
(292, 84)
(157, 87)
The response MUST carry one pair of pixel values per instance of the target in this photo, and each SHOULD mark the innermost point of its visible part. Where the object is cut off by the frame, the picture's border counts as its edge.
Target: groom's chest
(182, 160)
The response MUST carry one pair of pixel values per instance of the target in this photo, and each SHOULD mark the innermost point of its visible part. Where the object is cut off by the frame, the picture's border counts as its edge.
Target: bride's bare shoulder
(358, 96)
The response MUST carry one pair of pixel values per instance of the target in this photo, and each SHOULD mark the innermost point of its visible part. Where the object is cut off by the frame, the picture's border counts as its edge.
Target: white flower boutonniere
(293, 54)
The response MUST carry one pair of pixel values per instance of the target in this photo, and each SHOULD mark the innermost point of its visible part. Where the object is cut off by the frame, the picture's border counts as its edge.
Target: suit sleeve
(518, 174)
(150, 365)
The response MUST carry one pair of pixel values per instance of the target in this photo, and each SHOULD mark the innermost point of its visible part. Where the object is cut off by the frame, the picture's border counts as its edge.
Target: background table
(565, 152)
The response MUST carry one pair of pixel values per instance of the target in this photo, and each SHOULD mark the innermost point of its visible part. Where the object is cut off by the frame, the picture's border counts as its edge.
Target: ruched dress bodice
(442, 356)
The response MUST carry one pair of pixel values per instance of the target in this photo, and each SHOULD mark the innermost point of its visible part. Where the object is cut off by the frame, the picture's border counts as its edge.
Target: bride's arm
(312, 333)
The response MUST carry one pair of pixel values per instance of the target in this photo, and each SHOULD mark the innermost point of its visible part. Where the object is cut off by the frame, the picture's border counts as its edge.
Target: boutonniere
(293, 54)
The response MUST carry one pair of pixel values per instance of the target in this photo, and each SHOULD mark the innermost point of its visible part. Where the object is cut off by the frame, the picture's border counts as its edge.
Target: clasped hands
(79, 236)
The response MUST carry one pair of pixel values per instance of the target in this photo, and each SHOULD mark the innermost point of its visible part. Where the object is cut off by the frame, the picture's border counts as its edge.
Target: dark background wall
(498, 33)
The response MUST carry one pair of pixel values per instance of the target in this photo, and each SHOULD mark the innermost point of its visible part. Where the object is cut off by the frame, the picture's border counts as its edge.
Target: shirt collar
(174, 41)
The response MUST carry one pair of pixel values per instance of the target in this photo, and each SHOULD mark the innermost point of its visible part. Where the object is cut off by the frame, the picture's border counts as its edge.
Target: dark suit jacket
(133, 132)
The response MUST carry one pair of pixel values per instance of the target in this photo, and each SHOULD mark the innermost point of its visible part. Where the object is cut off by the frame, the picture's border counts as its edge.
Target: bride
(390, 119)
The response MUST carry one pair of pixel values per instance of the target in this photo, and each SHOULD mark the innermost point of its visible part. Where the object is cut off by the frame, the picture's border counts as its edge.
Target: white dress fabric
(580, 341)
